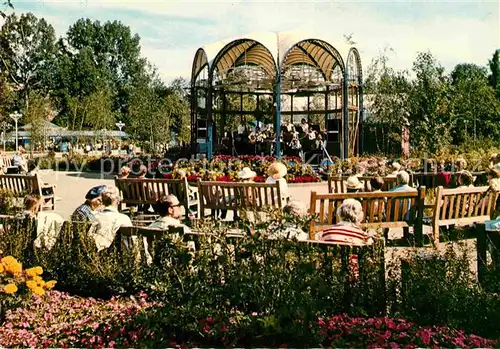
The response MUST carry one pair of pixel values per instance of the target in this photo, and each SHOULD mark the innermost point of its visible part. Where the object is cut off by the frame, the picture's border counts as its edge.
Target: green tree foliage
(475, 109)
(6, 96)
(494, 77)
(387, 93)
(93, 57)
(37, 114)
(27, 54)
(429, 103)
(177, 106)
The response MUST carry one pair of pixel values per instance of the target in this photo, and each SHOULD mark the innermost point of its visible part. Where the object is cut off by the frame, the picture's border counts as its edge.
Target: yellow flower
(37, 278)
(31, 284)
(8, 260)
(41, 283)
(38, 291)
(11, 265)
(10, 289)
(1, 268)
(50, 284)
(30, 272)
(38, 270)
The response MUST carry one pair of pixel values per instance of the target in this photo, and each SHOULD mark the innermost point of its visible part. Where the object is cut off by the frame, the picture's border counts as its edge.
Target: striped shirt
(345, 234)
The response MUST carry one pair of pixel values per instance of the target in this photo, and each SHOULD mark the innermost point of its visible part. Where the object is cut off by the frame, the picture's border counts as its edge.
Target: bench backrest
(20, 185)
(337, 184)
(381, 209)
(463, 206)
(5, 161)
(144, 191)
(237, 196)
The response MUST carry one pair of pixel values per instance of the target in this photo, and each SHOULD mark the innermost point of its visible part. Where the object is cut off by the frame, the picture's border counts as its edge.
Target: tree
(474, 106)
(27, 53)
(494, 77)
(37, 114)
(177, 107)
(430, 115)
(387, 93)
(6, 97)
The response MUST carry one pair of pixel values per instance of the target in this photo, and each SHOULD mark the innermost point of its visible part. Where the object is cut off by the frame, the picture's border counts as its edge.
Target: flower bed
(225, 168)
(60, 320)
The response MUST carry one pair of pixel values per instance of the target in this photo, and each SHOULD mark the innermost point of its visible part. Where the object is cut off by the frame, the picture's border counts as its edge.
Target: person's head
(32, 165)
(110, 196)
(377, 183)
(493, 173)
(277, 170)
(303, 121)
(32, 204)
(396, 166)
(124, 172)
(461, 164)
(297, 208)
(93, 197)
(142, 171)
(246, 174)
(402, 178)
(465, 178)
(350, 211)
(353, 184)
(494, 158)
(168, 205)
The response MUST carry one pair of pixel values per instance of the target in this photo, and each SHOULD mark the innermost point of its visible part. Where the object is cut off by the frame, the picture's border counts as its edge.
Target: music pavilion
(275, 78)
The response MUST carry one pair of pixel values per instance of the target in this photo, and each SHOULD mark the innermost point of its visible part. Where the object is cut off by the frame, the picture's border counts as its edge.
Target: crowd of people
(295, 139)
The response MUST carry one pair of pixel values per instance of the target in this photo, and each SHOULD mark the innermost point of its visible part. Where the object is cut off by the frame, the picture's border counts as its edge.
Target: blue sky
(171, 31)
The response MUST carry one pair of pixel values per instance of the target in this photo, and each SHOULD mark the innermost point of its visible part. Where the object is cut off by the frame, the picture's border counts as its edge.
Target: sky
(171, 31)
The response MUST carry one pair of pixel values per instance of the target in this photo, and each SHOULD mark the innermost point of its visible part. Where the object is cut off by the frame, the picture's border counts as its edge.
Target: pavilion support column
(210, 136)
(278, 115)
(361, 139)
(345, 132)
(194, 122)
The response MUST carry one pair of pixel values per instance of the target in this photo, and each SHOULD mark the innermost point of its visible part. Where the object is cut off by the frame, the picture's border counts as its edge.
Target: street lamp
(120, 125)
(16, 116)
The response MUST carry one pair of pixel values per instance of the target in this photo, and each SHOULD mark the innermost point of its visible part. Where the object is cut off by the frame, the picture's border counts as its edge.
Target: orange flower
(50, 284)
(38, 291)
(30, 272)
(31, 284)
(10, 289)
(38, 270)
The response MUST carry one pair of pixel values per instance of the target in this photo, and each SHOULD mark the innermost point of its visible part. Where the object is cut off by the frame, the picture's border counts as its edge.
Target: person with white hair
(347, 231)
(109, 219)
(403, 182)
(395, 168)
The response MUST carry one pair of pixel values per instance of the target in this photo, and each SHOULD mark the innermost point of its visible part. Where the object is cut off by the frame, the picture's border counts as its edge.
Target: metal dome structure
(272, 77)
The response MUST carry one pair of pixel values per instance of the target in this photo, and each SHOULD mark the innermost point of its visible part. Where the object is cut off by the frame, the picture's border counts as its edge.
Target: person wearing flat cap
(86, 211)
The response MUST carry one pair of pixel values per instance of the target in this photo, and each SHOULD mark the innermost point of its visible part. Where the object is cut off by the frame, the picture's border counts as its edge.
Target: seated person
(110, 220)
(376, 184)
(48, 224)
(290, 230)
(465, 179)
(354, 185)
(124, 172)
(20, 162)
(86, 211)
(402, 182)
(277, 172)
(394, 168)
(347, 230)
(169, 209)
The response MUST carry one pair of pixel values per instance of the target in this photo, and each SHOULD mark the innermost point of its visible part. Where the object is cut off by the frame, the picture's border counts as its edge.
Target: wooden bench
(337, 184)
(217, 196)
(146, 191)
(382, 210)
(22, 185)
(461, 207)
